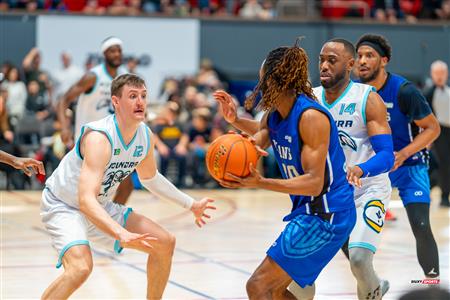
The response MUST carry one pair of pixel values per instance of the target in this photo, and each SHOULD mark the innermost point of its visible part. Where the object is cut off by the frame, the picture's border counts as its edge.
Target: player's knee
(358, 261)
(166, 243)
(420, 227)
(80, 270)
(255, 288)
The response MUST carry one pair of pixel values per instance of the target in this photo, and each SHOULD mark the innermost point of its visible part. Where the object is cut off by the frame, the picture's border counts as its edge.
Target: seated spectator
(199, 139)
(31, 65)
(252, 9)
(387, 11)
(171, 142)
(17, 96)
(411, 9)
(207, 76)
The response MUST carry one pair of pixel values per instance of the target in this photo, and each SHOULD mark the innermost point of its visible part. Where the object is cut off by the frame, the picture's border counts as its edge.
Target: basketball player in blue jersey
(92, 93)
(414, 127)
(305, 141)
(76, 203)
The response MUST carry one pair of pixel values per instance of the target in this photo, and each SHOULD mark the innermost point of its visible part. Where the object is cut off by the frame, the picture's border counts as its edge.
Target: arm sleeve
(383, 160)
(163, 188)
(412, 102)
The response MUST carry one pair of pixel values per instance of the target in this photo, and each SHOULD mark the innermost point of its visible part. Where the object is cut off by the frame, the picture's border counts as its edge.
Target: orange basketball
(230, 153)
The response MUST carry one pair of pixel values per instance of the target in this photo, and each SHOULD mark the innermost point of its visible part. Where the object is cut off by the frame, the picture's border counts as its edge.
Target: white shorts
(372, 201)
(69, 227)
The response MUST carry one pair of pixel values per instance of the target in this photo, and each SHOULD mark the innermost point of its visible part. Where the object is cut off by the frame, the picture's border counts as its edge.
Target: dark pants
(181, 166)
(442, 149)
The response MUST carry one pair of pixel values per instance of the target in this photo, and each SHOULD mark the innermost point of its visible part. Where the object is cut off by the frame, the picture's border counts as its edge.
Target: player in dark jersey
(414, 127)
(306, 145)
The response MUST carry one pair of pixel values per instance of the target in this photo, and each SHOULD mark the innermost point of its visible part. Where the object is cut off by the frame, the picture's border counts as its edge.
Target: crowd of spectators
(381, 10)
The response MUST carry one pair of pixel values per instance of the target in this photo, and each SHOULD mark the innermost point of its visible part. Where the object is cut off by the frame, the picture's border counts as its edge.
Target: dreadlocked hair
(285, 69)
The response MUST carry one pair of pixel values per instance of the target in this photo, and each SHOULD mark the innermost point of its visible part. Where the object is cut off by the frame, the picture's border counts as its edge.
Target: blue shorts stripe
(67, 247)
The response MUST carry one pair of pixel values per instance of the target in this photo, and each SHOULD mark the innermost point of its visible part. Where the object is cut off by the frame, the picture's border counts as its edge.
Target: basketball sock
(305, 293)
(427, 252)
(361, 262)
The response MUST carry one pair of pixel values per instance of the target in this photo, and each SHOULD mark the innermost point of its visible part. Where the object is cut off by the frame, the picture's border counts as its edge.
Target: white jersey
(63, 183)
(96, 104)
(349, 113)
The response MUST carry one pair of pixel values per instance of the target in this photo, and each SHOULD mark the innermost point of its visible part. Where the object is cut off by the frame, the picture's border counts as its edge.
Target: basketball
(230, 153)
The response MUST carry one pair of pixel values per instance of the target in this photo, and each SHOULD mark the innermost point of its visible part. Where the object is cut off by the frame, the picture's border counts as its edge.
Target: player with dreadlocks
(305, 141)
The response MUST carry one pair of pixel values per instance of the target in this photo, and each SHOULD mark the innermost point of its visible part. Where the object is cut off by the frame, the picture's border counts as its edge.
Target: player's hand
(67, 137)
(259, 150)
(227, 106)
(29, 166)
(354, 176)
(198, 209)
(136, 241)
(400, 158)
(253, 180)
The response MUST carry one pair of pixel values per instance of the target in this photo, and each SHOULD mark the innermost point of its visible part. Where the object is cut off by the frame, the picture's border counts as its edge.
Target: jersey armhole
(147, 133)
(94, 87)
(83, 130)
(364, 103)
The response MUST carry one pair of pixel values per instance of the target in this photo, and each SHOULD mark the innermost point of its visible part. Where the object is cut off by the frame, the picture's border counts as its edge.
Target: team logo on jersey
(347, 140)
(116, 151)
(374, 215)
(138, 151)
(305, 235)
(288, 138)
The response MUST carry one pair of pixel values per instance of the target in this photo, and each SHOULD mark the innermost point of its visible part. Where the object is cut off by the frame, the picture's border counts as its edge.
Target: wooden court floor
(209, 263)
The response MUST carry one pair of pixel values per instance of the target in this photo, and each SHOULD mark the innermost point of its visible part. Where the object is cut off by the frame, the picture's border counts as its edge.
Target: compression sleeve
(161, 187)
(383, 160)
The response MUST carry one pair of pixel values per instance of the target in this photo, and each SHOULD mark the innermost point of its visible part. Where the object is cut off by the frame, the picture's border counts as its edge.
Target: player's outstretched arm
(28, 165)
(86, 83)
(96, 151)
(229, 112)
(381, 139)
(314, 128)
(153, 181)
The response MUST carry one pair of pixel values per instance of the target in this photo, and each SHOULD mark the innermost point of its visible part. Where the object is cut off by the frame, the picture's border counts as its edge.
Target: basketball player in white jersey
(365, 137)
(94, 100)
(76, 203)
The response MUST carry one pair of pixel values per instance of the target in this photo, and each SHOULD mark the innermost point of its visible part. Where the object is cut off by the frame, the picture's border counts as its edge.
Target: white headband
(112, 41)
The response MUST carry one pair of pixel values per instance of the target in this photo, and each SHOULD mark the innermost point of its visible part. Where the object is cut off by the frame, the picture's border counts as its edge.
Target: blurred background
(185, 49)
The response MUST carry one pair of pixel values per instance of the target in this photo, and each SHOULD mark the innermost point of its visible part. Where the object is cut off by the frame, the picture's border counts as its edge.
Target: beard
(112, 64)
(372, 76)
(333, 80)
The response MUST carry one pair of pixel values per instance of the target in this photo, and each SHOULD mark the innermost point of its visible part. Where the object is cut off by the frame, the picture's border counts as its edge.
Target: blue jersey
(337, 193)
(404, 105)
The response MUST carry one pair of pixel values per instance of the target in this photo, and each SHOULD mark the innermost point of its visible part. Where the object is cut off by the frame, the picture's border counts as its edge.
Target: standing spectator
(439, 98)
(17, 95)
(252, 9)
(32, 67)
(65, 77)
(171, 142)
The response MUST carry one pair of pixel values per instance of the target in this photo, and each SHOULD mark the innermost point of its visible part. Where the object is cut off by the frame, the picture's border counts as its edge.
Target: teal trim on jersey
(120, 135)
(67, 247)
(330, 106)
(95, 85)
(106, 71)
(362, 245)
(94, 129)
(117, 248)
(364, 103)
(77, 145)
(147, 132)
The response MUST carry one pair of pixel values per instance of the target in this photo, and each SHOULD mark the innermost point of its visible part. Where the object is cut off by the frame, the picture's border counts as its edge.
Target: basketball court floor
(209, 263)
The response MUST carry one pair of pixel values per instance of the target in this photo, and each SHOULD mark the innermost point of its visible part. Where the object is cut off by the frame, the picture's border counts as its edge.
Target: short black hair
(349, 47)
(378, 40)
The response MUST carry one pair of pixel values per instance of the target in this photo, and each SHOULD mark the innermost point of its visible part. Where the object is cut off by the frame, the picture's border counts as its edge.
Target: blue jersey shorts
(412, 183)
(309, 242)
